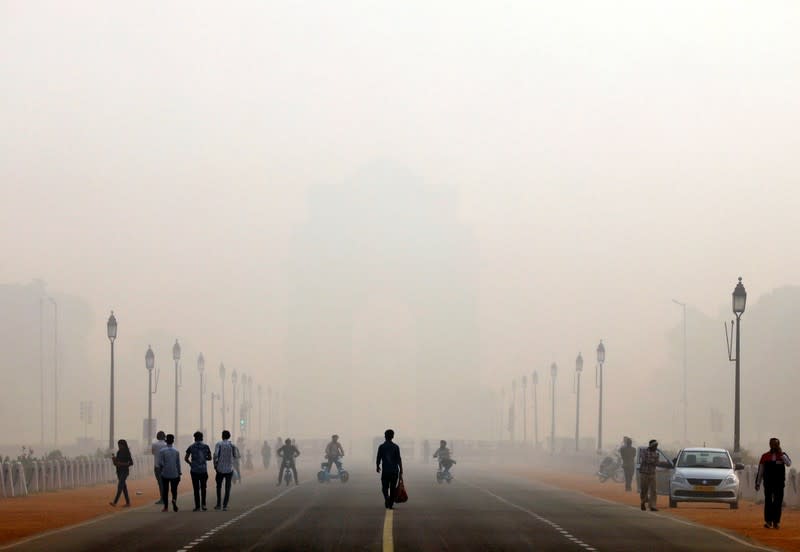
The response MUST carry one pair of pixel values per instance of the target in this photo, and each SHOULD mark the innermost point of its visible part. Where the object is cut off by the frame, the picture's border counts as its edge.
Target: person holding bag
(389, 457)
(123, 461)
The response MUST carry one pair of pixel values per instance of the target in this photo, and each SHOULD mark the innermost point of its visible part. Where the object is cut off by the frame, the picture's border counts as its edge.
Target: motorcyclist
(287, 453)
(443, 454)
(334, 451)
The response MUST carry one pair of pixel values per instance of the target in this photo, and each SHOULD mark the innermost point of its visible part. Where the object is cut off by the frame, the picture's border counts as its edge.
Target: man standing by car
(648, 462)
(628, 454)
(772, 471)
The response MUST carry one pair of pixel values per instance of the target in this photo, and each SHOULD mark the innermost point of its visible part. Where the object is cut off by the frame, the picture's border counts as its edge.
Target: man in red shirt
(772, 472)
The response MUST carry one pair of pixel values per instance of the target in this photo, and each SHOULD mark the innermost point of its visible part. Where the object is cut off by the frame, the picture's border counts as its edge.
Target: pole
(55, 373)
(553, 418)
(685, 378)
(578, 412)
(41, 367)
(176, 401)
(201, 401)
(111, 407)
(223, 403)
(524, 415)
(736, 404)
(600, 413)
(535, 416)
(150, 404)
(235, 422)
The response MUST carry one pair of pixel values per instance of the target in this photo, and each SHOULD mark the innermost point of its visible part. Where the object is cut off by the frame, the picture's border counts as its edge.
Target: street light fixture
(111, 328)
(150, 363)
(176, 356)
(553, 373)
(739, 300)
(578, 370)
(535, 384)
(201, 366)
(601, 358)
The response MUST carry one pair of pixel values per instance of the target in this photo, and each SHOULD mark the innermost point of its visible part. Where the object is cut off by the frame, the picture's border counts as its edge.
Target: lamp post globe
(176, 351)
(601, 352)
(149, 359)
(111, 328)
(739, 298)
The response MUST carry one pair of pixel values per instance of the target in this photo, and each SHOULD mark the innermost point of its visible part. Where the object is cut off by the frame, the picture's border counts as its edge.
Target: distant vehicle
(704, 475)
(324, 475)
(611, 467)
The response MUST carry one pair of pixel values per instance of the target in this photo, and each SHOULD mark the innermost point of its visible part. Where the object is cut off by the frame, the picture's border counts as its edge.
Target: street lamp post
(512, 415)
(685, 399)
(739, 302)
(111, 327)
(234, 379)
(222, 377)
(578, 370)
(214, 396)
(260, 413)
(150, 363)
(176, 356)
(553, 373)
(201, 366)
(535, 384)
(55, 369)
(269, 409)
(601, 358)
(525, 410)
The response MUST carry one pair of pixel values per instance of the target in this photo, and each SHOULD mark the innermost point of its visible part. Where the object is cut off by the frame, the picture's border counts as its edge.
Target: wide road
(482, 509)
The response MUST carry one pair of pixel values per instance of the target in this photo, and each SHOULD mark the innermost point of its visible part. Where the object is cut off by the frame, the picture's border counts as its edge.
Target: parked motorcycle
(611, 468)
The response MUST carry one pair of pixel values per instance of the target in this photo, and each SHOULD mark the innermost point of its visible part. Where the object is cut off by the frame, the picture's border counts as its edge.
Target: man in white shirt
(155, 448)
(225, 454)
(169, 461)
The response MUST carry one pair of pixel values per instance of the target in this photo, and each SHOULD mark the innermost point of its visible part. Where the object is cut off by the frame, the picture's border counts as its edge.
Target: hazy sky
(155, 159)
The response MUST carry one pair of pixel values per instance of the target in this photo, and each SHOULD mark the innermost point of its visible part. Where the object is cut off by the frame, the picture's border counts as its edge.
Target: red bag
(400, 494)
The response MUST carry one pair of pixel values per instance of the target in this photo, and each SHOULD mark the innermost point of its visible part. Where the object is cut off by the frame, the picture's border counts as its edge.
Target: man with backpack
(225, 454)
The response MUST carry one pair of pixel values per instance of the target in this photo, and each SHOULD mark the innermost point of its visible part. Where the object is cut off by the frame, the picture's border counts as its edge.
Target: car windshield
(704, 459)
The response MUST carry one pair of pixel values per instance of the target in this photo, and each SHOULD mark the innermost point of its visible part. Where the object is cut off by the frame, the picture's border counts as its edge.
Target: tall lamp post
(260, 413)
(176, 356)
(214, 396)
(535, 384)
(111, 327)
(553, 373)
(201, 367)
(235, 424)
(525, 410)
(685, 400)
(739, 302)
(578, 370)
(512, 415)
(222, 377)
(55, 369)
(601, 358)
(150, 363)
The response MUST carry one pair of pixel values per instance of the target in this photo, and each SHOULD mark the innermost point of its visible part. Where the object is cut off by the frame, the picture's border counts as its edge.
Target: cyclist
(443, 454)
(287, 453)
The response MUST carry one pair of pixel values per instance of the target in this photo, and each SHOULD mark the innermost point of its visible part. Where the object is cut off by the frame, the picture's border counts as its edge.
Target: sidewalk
(29, 515)
(747, 522)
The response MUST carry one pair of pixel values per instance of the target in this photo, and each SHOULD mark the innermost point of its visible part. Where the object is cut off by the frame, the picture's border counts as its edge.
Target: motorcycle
(287, 474)
(324, 475)
(611, 468)
(443, 474)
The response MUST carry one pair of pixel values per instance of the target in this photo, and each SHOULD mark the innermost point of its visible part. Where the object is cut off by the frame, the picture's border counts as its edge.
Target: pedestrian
(157, 445)
(266, 454)
(772, 472)
(628, 454)
(225, 453)
(169, 460)
(426, 451)
(123, 461)
(197, 456)
(648, 462)
(389, 459)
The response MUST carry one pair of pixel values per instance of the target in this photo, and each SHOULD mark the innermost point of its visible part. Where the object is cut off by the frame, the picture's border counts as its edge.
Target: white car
(704, 475)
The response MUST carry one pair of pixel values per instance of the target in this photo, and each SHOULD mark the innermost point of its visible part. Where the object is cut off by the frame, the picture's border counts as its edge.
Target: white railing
(52, 475)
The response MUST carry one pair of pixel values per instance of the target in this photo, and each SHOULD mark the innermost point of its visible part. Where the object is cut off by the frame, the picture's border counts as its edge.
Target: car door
(663, 475)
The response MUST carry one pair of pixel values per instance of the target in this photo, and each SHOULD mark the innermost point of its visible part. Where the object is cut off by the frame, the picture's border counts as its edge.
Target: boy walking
(197, 456)
(224, 454)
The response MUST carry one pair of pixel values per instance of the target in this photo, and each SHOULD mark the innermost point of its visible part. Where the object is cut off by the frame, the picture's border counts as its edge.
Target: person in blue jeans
(225, 454)
(389, 459)
(197, 456)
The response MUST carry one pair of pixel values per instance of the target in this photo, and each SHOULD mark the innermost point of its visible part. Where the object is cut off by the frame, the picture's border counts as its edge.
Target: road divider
(388, 538)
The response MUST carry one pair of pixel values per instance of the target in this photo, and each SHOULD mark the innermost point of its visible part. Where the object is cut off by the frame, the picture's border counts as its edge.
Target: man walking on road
(155, 448)
(772, 471)
(648, 462)
(197, 456)
(169, 461)
(224, 454)
(389, 457)
(628, 454)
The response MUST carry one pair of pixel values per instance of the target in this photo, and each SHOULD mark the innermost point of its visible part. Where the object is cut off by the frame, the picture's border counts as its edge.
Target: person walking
(123, 461)
(197, 456)
(157, 445)
(648, 462)
(266, 454)
(169, 460)
(225, 453)
(389, 459)
(772, 473)
(628, 454)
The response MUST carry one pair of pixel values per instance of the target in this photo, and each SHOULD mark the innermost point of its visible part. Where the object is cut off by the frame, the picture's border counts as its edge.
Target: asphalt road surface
(483, 509)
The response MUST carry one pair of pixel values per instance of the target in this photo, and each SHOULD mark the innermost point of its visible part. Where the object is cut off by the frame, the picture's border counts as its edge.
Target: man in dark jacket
(389, 458)
(772, 472)
(628, 454)
(197, 456)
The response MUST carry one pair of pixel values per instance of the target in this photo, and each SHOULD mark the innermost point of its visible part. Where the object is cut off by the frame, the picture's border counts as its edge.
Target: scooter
(324, 475)
(611, 468)
(443, 473)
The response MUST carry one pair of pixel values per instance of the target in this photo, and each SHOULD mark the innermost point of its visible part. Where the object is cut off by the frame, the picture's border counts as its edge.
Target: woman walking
(123, 461)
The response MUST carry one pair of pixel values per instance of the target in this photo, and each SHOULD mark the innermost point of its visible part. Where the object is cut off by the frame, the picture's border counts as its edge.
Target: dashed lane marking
(388, 539)
(564, 533)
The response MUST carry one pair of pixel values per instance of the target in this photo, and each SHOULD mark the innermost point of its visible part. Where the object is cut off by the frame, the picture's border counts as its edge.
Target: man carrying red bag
(389, 457)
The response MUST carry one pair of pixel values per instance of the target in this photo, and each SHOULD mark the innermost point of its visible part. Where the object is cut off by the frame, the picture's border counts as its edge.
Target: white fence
(51, 475)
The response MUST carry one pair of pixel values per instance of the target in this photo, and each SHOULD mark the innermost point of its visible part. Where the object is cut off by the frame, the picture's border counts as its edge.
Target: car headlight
(679, 479)
(731, 480)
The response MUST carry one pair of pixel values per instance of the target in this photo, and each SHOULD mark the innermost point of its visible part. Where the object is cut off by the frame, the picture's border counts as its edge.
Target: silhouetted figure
(649, 460)
(266, 454)
(389, 459)
(123, 461)
(248, 460)
(334, 451)
(157, 445)
(197, 456)
(426, 451)
(628, 454)
(169, 460)
(772, 472)
(443, 455)
(225, 453)
(287, 453)
(237, 463)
